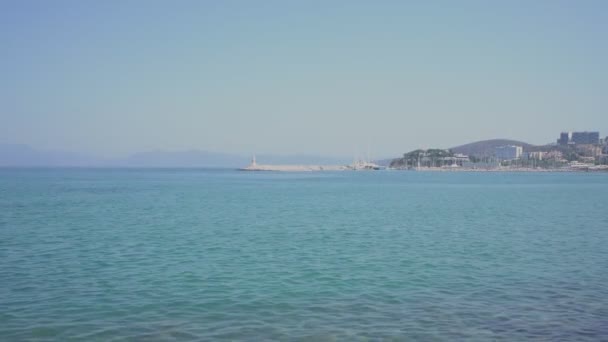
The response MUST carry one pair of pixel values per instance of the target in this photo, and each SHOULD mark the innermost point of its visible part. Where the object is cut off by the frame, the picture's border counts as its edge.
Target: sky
(317, 77)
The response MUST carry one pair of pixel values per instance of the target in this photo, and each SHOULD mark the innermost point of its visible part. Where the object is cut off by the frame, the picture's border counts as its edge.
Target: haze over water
(135, 254)
(112, 78)
(95, 248)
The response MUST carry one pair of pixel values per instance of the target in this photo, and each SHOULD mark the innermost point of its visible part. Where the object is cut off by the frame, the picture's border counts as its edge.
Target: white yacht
(362, 165)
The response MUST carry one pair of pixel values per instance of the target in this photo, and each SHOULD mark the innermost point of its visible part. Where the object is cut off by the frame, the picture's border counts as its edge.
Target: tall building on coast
(578, 138)
(509, 152)
(564, 138)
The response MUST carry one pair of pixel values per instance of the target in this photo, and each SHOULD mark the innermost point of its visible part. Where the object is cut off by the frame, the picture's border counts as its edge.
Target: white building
(534, 155)
(508, 152)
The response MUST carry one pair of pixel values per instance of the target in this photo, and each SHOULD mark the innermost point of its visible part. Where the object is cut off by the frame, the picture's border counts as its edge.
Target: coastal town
(572, 151)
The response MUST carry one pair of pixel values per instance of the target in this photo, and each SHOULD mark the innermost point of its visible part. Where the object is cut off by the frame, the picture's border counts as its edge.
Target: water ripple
(183, 255)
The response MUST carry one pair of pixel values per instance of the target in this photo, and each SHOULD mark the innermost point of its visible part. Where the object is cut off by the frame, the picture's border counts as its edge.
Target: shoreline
(333, 168)
(436, 169)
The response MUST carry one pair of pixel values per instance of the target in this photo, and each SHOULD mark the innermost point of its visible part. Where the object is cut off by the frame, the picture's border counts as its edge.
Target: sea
(215, 254)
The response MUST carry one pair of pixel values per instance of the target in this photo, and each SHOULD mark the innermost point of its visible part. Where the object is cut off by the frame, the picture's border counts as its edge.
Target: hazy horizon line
(356, 151)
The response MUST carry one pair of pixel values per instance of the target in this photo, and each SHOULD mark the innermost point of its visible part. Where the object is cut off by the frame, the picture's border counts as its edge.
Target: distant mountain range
(24, 155)
(197, 158)
(191, 158)
(13, 155)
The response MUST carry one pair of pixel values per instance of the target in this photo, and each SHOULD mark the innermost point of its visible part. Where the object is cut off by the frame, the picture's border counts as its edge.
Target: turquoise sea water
(219, 254)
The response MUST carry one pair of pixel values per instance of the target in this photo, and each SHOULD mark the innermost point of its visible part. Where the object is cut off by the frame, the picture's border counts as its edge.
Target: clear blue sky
(319, 77)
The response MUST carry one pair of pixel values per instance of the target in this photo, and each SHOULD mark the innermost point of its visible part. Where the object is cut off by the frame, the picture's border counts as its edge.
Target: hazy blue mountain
(191, 158)
(24, 155)
(300, 159)
(197, 158)
(19, 155)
